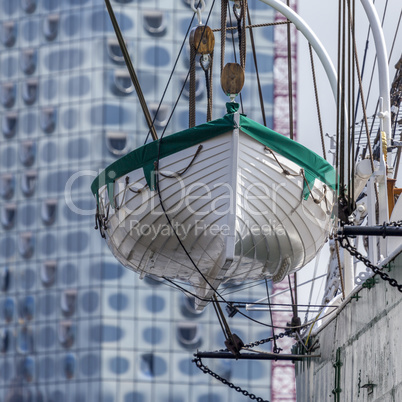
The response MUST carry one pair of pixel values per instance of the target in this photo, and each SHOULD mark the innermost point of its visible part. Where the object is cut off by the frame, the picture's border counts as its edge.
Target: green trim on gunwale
(144, 157)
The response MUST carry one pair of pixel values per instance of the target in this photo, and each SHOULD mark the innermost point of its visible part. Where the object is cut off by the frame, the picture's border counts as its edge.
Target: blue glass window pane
(119, 365)
(90, 301)
(89, 364)
(65, 59)
(79, 86)
(8, 66)
(46, 337)
(152, 335)
(29, 6)
(154, 303)
(106, 333)
(29, 30)
(157, 56)
(118, 301)
(78, 148)
(69, 366)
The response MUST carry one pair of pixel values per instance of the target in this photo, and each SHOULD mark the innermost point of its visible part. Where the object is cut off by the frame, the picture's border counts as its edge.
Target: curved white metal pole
(382, 57)
(302, 26)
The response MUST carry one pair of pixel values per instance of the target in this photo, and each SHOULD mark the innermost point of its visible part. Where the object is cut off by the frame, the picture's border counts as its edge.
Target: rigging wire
(234, 54)
(317, 260)
(256, 68)
(270, 314)
(317, 102)
(290, 80)
(188, 292)
(172, 72)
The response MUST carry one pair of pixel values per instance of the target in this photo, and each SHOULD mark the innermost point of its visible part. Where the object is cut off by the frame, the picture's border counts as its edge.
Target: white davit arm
(302, 26)
(382, 57)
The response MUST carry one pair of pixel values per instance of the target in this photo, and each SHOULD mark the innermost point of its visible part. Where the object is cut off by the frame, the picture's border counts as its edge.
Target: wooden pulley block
(202, 39)
(232, 78)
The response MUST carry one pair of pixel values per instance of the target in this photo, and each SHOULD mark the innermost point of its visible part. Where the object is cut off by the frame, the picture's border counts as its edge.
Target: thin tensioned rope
(317, 103)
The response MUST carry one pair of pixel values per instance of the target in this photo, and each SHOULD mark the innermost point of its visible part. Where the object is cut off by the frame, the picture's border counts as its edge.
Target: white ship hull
(238, 210)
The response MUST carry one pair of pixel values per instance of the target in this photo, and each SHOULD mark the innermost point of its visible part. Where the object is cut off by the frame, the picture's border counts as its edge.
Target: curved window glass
(187, 307)
(154, 22)
(189, 335)
(7, 186)
(27, 152)
(8, 93)
(51, 26)
(29, 6)
(117, 142)
(28, 183)
(26, 244)
(152, 365)
(8, 213)
(163, 114)
(48, 119)
(24, 340)
(69, 366)
(114, 51)
(30, 91)
(48, 273)
(199, 88)
(4, 340)
(48, 213)
(8, 309)
(122, 84)
(68, 302)
(8, 33)
(9, 124)
(5, 277)
(66, 333)
(27, 369)
(26, 308)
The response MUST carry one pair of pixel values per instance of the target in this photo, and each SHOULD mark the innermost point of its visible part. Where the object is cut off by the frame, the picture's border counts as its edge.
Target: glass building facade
(74, 324)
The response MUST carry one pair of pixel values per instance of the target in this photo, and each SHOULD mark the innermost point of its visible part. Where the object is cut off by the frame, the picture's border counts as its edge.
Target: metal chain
(288, 332)
(345, 243)
(197, 360)
(206, 370)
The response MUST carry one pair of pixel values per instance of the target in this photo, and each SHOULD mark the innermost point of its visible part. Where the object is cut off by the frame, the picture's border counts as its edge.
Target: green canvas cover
(144, 157)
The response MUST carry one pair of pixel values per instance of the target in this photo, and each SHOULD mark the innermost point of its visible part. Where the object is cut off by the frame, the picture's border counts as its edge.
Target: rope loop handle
(198, 10)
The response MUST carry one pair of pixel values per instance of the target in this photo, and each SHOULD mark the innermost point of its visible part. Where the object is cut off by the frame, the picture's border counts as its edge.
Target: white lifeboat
(246, 203)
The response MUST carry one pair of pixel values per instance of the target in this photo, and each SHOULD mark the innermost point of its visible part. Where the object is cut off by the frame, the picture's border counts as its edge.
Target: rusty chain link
(197, 360)
(345, 243)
